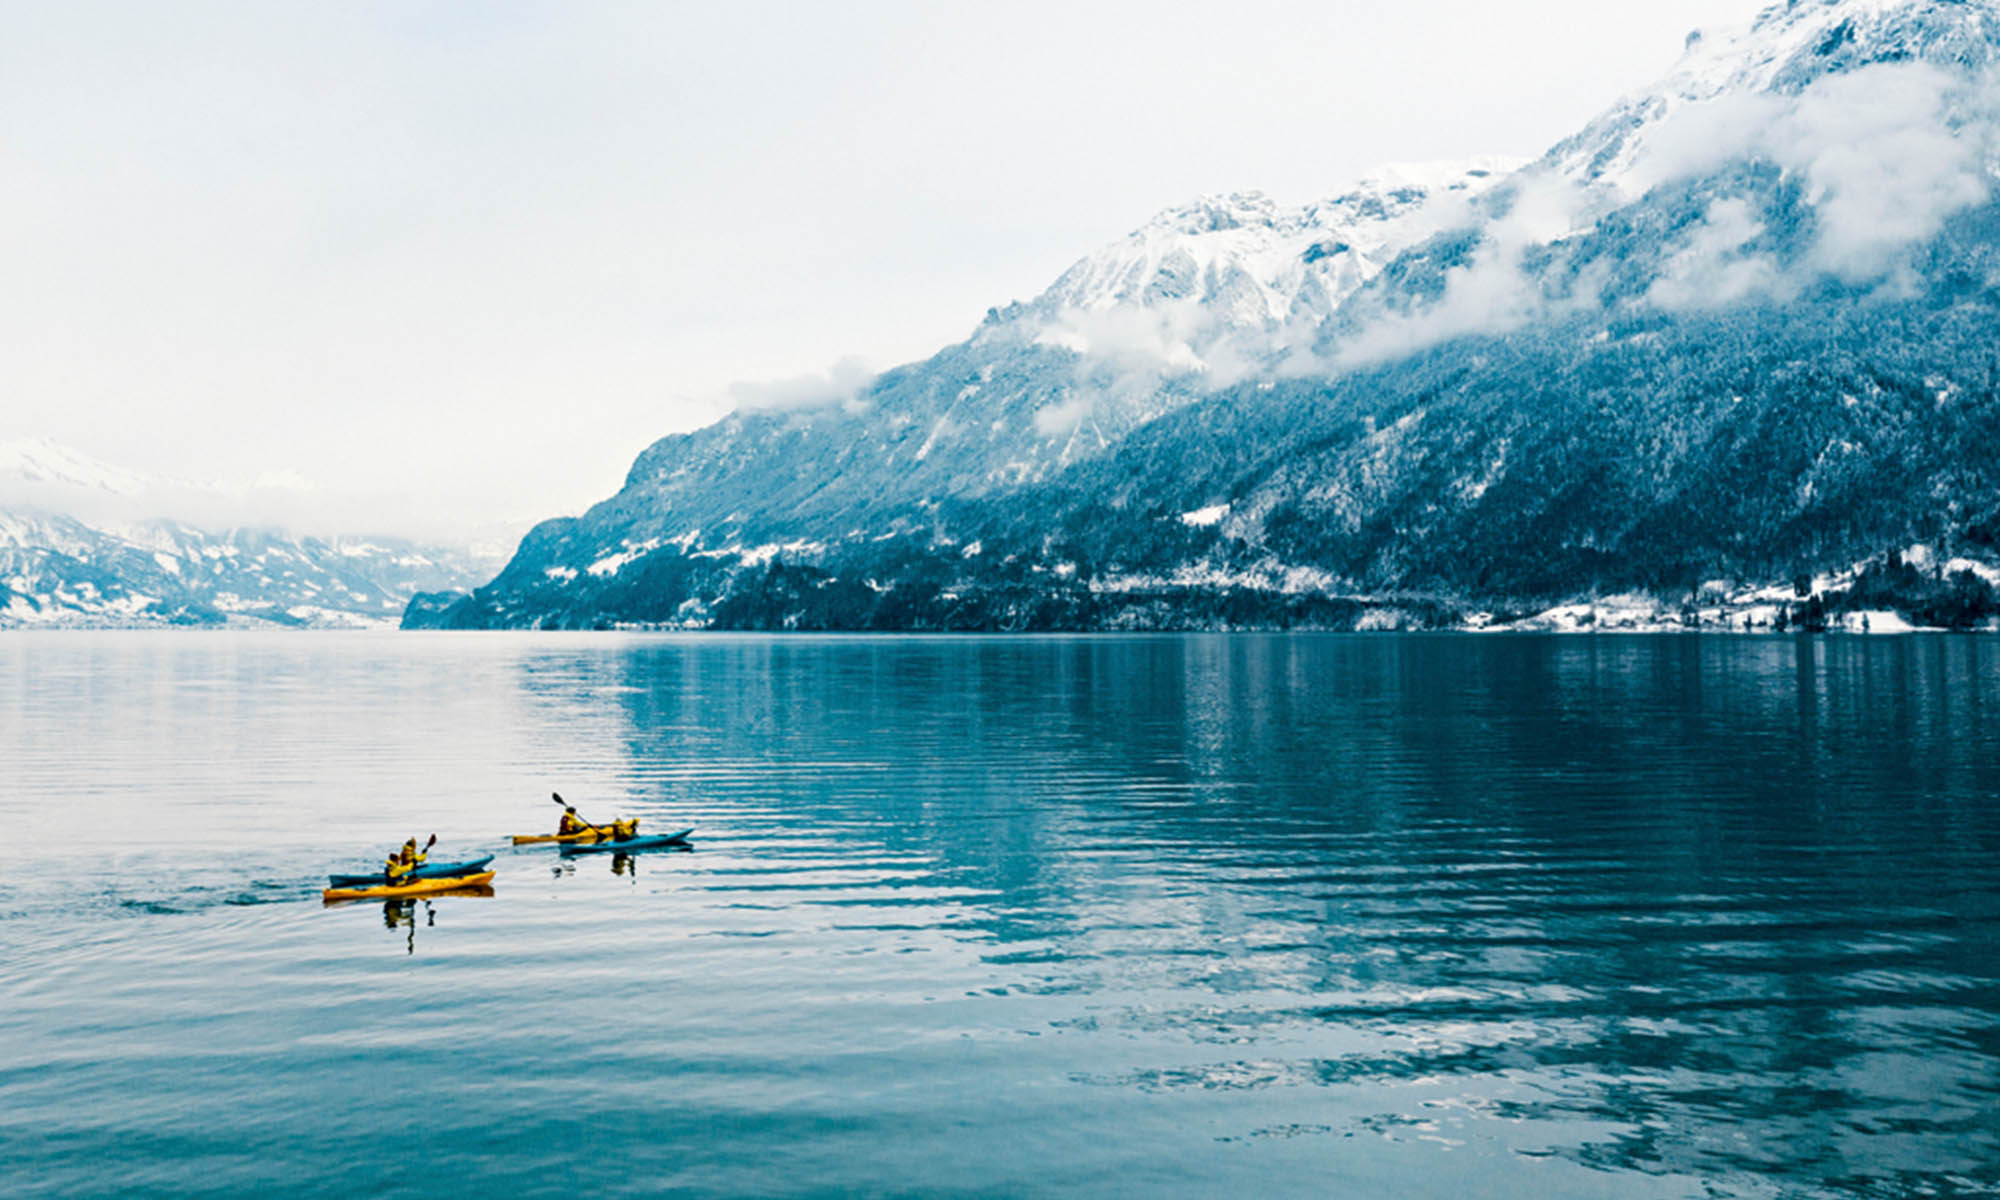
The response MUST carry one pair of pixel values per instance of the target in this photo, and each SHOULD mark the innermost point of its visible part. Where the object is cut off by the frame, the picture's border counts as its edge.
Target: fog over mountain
(84, 543)
(1729, 345)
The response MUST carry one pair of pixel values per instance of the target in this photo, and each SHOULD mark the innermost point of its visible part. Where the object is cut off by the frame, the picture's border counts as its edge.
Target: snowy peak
(1827, 142)
(41, 462)
(1790, 45)
(1404, 182)
(52, 473)
(1787, 51)
(1886, 111)
(1255, 255)
(1214, 214)
(1211, 286)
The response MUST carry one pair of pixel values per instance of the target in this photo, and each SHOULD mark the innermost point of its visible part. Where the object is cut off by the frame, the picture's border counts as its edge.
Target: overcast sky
(459, 262)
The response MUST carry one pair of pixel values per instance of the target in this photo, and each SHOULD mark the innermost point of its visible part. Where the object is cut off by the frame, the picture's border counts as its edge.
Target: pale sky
(456, 263)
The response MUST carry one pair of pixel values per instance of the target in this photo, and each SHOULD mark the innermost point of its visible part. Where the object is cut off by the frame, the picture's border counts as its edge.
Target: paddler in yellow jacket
(570, 822)
(397, 867)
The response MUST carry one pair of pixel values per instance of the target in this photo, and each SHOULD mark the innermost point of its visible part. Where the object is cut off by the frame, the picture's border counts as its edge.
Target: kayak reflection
(624, 864)
(402, 914)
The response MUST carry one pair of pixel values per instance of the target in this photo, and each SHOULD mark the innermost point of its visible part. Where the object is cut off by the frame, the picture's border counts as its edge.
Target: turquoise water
(1359, 916)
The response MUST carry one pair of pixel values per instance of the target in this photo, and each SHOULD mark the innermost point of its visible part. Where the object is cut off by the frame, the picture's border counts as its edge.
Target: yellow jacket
(402, 862)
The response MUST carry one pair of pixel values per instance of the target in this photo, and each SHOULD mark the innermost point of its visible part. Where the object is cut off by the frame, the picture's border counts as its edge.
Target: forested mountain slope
(1733, 340)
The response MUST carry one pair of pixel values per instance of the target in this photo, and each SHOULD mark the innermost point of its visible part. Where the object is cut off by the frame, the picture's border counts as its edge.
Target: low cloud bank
(840, 384)
(277, 500)
(1885, 154)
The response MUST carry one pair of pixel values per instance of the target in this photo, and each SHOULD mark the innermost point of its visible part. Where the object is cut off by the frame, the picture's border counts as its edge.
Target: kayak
(420, 887)
(638, 843)
(471, 866)
(589, 835)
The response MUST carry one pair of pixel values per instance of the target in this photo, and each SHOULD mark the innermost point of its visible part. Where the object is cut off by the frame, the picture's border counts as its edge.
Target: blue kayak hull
(656, 842)
(427, 871)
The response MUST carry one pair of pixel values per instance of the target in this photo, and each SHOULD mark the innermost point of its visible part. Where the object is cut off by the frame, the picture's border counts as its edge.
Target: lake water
(1366, 916)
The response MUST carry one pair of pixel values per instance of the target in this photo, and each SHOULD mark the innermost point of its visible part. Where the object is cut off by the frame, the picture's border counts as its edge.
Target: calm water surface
(1359, 916)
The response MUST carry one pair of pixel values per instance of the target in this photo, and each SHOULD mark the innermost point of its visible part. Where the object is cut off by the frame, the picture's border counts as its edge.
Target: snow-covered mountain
(74, 554)
(1737, 330)
(1157, 320)
(1789, 49)
(1222, 284)
(1828, 141)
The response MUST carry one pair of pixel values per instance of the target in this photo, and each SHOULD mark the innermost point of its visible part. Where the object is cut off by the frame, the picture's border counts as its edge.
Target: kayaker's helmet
(569, 808)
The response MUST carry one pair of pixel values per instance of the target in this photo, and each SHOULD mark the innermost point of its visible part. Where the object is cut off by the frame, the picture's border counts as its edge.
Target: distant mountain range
(74, 554)
(1728, 353)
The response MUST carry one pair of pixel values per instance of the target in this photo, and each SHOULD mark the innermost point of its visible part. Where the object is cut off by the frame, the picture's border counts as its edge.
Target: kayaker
(571, 823)
(402, 862)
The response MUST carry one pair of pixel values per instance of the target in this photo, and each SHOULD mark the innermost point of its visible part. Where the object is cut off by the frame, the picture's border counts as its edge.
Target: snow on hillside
(58, 572)
(1216, 284)
(82, 544)
(1886, 112)
(1825, 141)
(1730, 78)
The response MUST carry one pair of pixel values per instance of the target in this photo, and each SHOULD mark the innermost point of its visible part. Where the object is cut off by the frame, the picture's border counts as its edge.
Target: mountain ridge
(1732, 333)
(76, 553)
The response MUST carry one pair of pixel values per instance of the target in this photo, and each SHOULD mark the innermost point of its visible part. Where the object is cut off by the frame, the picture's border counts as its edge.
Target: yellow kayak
(620, 829)
(416, 887)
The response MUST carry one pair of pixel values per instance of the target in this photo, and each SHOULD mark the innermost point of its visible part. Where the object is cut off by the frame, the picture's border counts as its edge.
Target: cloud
(840, 384)
(1159, 337)
(1489, 293)
(39, 474)
(1888, 158)
(279, 498)
(1710, 270)
(1885, 154)
(1058, 419)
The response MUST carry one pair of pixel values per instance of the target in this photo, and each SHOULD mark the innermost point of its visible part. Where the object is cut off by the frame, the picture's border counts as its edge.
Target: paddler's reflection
(625, 864)
(402, 914)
